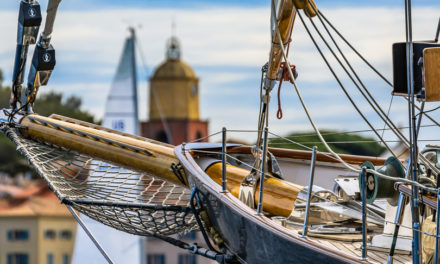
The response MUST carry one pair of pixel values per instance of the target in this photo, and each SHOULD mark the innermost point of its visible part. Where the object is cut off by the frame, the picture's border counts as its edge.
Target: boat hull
(253, 243)
(253, 238)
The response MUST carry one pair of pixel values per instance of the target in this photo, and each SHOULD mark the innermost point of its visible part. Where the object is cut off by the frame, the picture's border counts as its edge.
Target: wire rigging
(337, 78)
(364, 91)
(368, 63)
(352, 131)
(348, 166)
(395, 130)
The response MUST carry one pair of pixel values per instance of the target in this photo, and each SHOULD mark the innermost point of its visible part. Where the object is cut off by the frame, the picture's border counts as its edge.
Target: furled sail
(121, 110)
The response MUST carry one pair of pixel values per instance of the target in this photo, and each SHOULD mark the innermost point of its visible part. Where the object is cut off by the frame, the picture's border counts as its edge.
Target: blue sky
(227, 43)
(104, 4)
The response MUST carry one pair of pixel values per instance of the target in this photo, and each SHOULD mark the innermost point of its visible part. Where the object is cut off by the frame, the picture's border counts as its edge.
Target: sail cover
(121, 110)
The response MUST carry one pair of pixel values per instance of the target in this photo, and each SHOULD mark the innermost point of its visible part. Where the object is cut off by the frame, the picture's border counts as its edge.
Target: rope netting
(124, 199)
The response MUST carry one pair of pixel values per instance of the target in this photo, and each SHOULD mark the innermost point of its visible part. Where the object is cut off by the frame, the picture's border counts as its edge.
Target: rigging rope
(339, 81)
(280, 110)
(369, 64)
(395, 130)
(364, 91)
(348, 166)
(388, 114)
(347, 142)
(339, 133)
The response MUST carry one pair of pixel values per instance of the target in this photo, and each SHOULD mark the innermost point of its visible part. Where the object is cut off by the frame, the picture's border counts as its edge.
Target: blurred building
(35, 227)
(156, 251)
(174, 115)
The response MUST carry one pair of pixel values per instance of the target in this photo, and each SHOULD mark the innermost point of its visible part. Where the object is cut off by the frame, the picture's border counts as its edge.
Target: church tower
(174, 115)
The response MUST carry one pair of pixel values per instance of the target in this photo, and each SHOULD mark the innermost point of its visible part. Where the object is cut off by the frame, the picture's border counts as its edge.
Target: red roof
(36, 200)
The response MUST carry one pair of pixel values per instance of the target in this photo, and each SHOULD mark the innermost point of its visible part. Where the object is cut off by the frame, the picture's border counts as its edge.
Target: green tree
(52, 102)
(11, 162)
(340, 142)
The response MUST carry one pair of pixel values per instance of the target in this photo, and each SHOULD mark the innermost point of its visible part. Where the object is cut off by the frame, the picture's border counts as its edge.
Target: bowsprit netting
(124, 199)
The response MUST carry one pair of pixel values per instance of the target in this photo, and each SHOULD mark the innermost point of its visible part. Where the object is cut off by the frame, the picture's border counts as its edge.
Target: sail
(121, 113)
(121, 110)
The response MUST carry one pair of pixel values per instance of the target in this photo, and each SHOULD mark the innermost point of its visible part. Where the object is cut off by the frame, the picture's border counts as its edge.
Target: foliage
(353, 143)
(52, 102)
(10, 161)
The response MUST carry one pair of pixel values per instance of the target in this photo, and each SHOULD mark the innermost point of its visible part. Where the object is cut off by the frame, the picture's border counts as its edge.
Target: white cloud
(220, 37)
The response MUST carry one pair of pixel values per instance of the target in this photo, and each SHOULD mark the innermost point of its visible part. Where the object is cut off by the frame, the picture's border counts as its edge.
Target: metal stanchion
(224, 190)
(437, 226)
(260, 199)
(309, 194)
(364, 213)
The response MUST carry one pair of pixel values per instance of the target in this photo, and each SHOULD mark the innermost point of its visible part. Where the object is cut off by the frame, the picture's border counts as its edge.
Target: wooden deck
(352, 244)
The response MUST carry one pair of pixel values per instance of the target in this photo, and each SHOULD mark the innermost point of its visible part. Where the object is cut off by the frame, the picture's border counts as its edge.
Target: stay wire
(388, 114)
(364, 91)
(345, 142)
(337, 78)
(369, 64)
(354, 49)
(348, 166)
(280, 109)
(351, 132)
(428, 111)
(404, 140)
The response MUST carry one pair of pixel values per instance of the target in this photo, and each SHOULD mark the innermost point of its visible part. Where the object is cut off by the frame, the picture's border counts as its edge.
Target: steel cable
(348, 166)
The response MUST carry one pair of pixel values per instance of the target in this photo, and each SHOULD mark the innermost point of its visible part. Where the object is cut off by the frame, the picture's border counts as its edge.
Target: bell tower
(174, 115)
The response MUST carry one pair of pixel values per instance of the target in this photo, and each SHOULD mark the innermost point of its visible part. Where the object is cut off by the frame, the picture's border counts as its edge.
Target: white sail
(121, 113)
(121, 110)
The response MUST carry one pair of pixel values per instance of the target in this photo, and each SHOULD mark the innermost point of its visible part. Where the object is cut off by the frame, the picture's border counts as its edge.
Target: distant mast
(121, 110)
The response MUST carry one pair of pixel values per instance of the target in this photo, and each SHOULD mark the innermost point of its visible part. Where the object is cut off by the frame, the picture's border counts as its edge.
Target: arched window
(199, 135)
(162, 136)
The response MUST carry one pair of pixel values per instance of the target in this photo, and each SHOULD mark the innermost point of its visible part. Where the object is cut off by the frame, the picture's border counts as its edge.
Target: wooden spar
(279, 195)
(286, 18)
(57, 132)
(156, 159)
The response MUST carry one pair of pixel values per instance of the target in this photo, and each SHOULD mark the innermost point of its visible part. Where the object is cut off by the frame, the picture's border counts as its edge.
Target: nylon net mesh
(127, 200)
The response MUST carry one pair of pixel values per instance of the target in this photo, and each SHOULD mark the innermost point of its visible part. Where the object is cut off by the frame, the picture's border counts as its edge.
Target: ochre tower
(174, 101)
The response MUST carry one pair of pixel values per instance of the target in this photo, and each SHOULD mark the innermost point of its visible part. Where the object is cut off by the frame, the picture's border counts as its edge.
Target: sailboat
(242, 198)
(121, 109)
(121, 114)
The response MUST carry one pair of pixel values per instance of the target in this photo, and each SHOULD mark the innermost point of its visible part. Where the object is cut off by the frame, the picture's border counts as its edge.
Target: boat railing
(225, 156)
(309, 191)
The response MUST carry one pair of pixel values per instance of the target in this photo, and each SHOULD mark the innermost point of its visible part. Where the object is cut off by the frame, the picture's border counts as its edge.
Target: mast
(134, 78)
(121, 110)
(412, 132)
(29, 22)
(285, 18)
